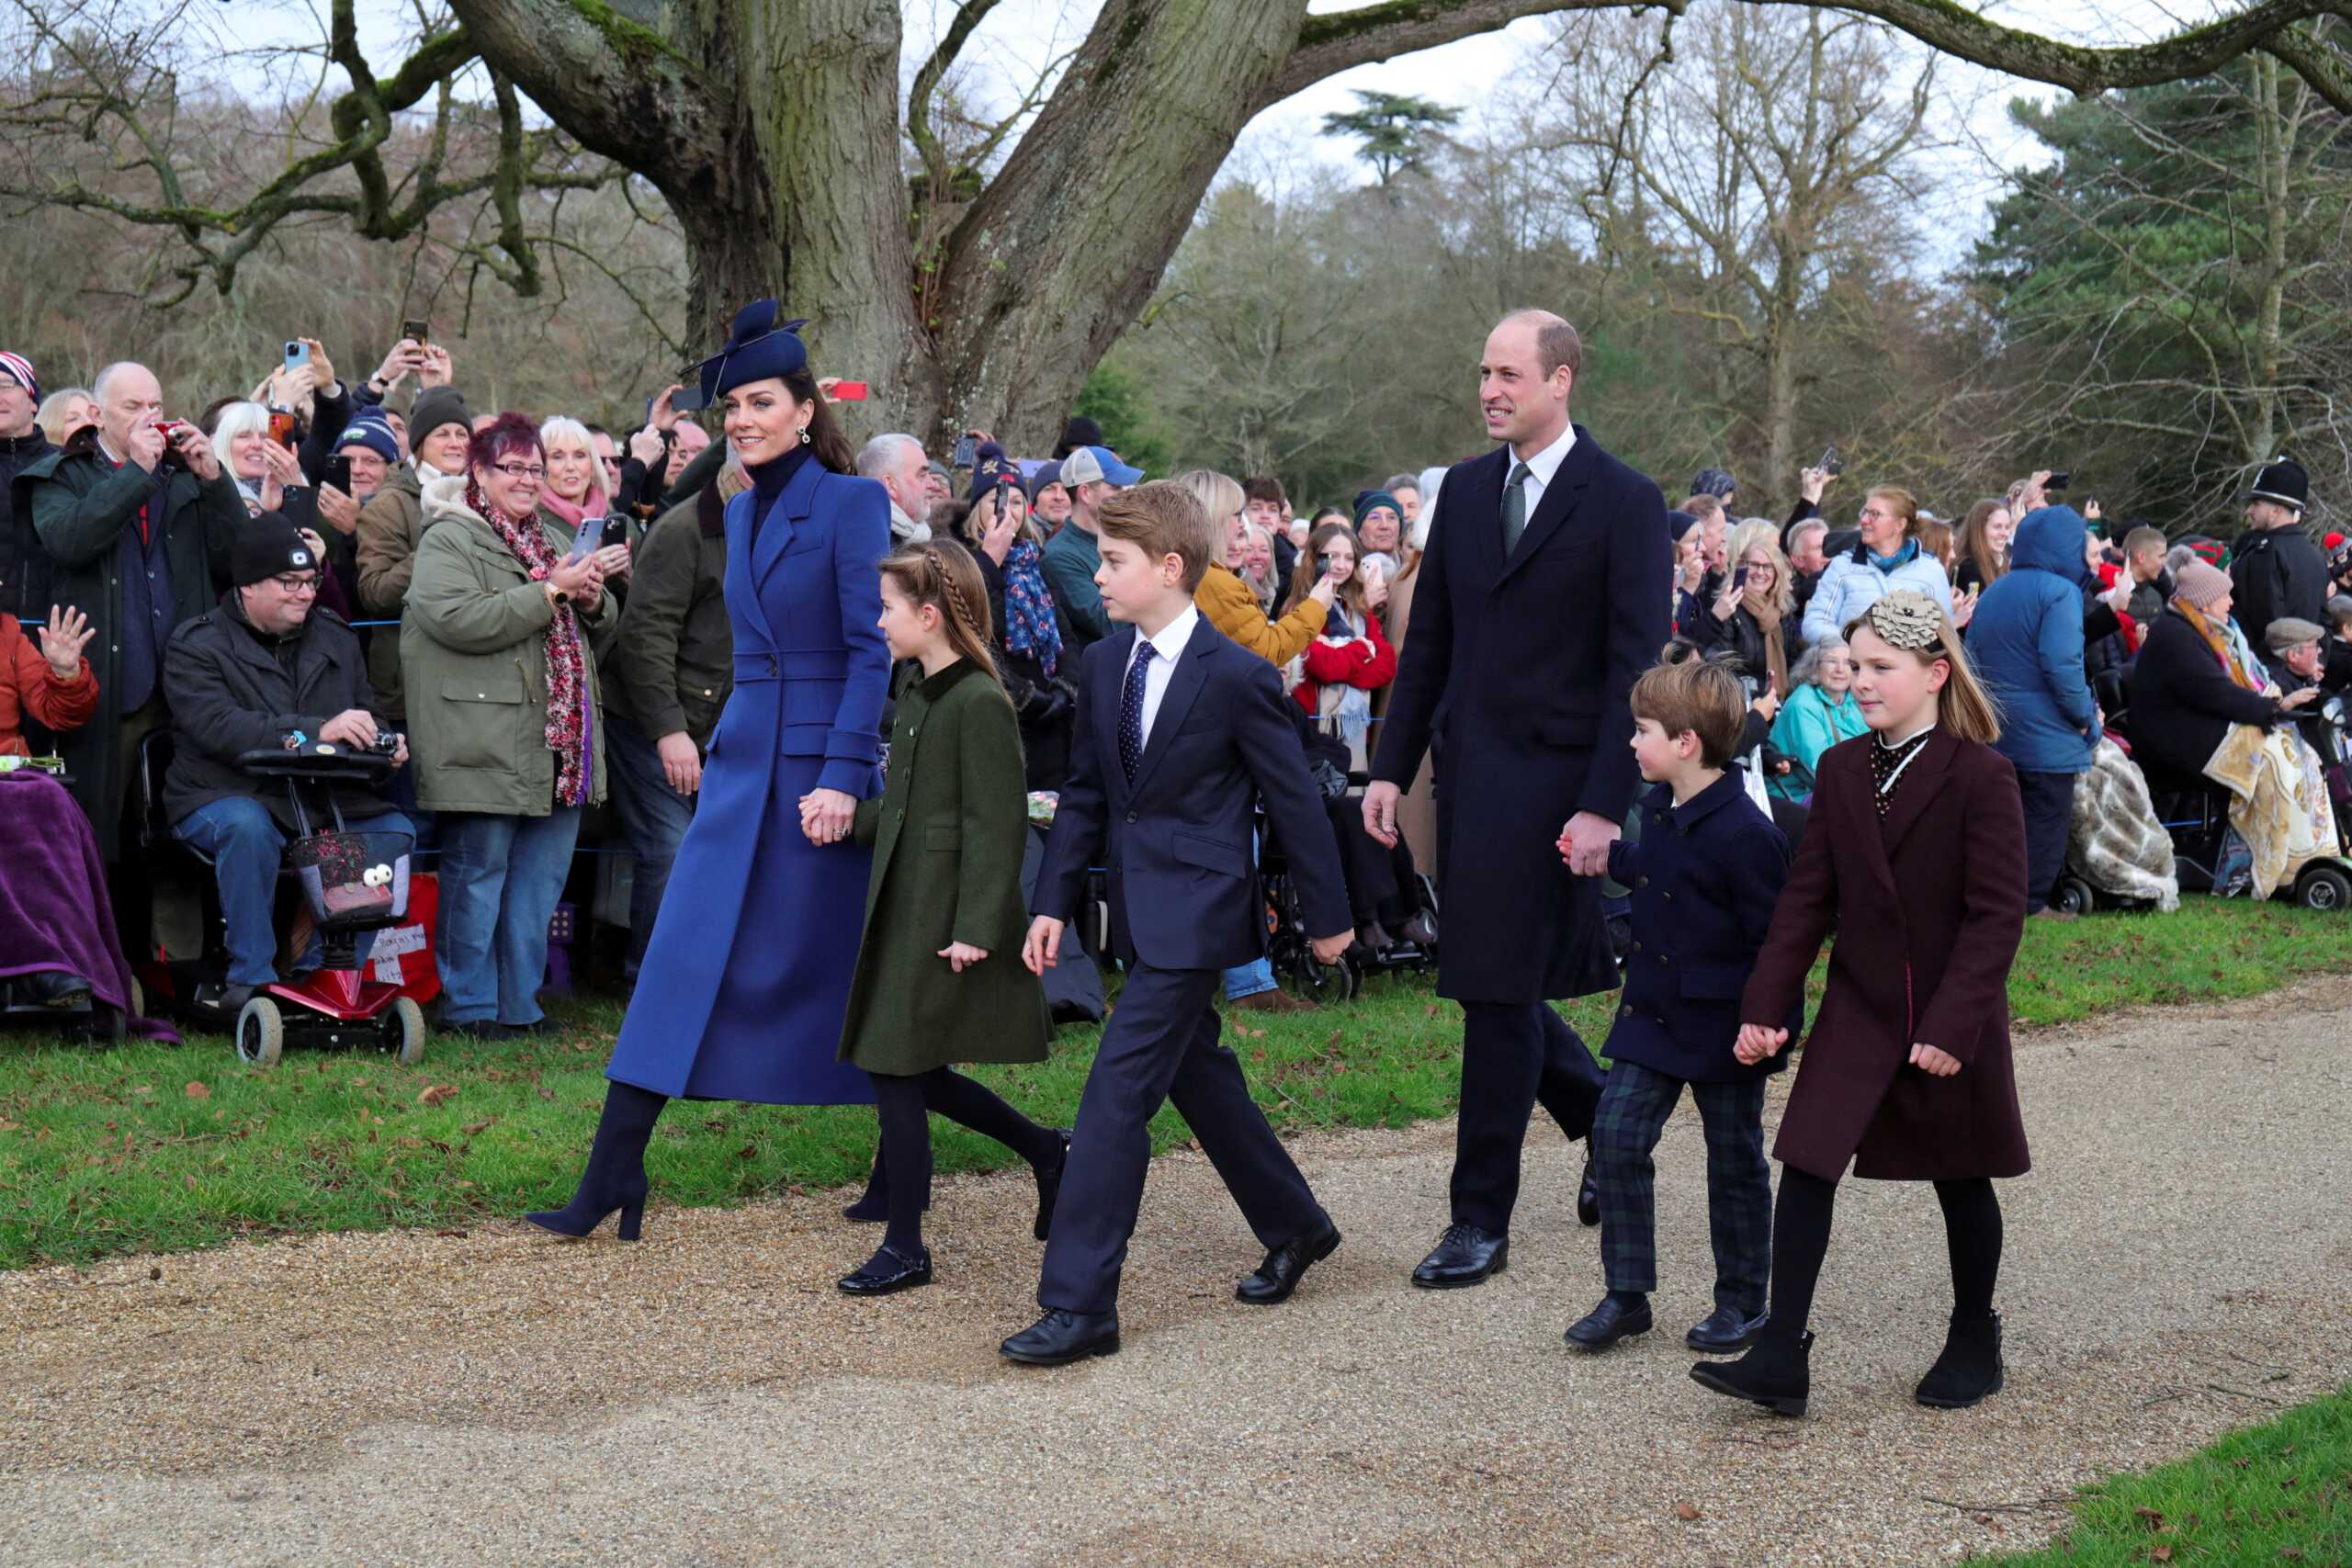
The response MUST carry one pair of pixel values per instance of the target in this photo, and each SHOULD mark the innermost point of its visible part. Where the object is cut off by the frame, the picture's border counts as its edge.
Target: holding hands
(1757, 1042)
(826, 816)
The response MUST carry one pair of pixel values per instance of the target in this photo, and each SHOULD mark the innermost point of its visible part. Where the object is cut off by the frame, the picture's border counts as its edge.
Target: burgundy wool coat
(1929, 906)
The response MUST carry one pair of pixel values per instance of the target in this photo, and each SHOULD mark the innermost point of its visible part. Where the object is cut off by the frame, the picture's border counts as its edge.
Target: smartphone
(1739, 577)
(281, 427)
(688, 398)
(298, 353)
(615, 532)
(1831, 462)
(337, 473)
(849, 392)
(414, 331)
(967, 451)
(584, 541)
(2058, 481)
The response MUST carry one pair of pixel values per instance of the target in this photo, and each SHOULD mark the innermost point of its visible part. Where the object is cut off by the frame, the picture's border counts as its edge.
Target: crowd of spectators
(535, 606)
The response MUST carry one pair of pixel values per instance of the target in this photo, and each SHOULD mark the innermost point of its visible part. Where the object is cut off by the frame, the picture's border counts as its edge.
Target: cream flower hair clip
(1907, 619)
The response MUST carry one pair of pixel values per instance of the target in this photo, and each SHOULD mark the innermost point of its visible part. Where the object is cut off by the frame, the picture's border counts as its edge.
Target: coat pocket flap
(1210, 854)
(470, 689)
(945, 837)
(1712, 982)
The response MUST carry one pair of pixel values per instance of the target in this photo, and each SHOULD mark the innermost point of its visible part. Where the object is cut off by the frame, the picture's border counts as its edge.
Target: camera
(387, 744)
(2058, 481)
(1831, 462)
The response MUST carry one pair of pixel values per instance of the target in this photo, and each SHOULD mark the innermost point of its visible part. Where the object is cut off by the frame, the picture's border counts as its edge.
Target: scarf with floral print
(568, 720)
(1029, 624)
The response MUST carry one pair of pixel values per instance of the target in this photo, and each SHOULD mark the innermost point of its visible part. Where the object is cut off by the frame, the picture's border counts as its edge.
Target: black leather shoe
(888, 1272)
(1285, 1266)
(1775, 1374)
(1725, 1331)
(1610, 1321)
(222, 1001)
(1049, 1187)
(1588, 1191)
(1465, 1256)
(1061, 1337)
(1970, 1368)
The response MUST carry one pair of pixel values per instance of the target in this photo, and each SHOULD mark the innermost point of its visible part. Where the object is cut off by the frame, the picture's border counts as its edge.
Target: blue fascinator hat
(758, 347)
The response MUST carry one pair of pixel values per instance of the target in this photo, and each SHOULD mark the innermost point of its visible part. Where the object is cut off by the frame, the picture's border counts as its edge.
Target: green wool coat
(947, 834)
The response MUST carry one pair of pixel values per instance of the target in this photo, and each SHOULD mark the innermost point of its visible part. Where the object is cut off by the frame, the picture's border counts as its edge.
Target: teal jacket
(1808, 725)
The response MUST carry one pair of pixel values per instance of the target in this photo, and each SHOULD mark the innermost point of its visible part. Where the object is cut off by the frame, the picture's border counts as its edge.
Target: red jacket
(1367, 664)
(27, 685)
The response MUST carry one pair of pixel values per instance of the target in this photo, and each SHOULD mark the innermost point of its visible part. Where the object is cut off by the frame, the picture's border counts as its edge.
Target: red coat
(27, 685)
(1929, 906)
(1346, 664)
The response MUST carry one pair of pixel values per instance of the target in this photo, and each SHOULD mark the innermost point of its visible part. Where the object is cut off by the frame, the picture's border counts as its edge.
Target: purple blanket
(55, 913)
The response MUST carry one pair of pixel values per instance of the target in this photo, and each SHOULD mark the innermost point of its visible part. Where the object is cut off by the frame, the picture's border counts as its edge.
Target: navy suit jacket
(1704, 879)
(1176, 842)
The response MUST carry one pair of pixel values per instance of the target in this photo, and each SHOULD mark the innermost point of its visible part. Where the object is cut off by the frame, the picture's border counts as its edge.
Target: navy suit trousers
(1161, 1045)
(1515, 1055)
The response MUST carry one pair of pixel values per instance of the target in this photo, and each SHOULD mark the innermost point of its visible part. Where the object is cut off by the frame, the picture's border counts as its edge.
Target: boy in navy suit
(1178, 735)
(1705, 876)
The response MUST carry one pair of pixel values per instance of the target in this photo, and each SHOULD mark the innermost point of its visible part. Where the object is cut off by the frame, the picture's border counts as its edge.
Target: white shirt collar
(1546, 463)
(1172, 636)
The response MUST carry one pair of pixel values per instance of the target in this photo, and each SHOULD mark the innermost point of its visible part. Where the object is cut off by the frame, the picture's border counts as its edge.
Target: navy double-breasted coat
(1520, 670)
(1705, 876)
(747, 976)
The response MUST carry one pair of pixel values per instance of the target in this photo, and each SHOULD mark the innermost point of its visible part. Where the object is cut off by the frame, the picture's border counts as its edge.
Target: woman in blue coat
(745, 984)
(2026, 641)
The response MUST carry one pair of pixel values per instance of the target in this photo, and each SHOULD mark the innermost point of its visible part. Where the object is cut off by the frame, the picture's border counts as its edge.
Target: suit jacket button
(1668, 897)
(1637, 947)
(1641, 882)
(1131, 816)
(1625, 1012)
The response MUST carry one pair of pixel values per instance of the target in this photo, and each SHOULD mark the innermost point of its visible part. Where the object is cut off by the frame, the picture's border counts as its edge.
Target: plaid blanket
(2116, 842)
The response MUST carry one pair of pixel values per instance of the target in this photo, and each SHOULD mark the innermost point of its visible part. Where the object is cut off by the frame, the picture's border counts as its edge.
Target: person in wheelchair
(265, 669)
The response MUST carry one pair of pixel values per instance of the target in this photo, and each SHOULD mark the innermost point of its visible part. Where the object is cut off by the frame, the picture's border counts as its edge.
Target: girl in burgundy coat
(1916, 852)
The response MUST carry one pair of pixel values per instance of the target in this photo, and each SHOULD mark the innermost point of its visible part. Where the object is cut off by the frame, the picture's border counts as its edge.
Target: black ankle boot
(615, 1175)
(1969, 1367)
(1775, 1374)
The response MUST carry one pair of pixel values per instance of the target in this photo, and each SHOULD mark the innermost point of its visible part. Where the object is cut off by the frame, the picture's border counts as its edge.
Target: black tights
(1801, 1239)
(904, 1105)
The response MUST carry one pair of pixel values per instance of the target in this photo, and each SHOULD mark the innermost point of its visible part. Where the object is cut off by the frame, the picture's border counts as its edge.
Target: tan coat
(390, 526)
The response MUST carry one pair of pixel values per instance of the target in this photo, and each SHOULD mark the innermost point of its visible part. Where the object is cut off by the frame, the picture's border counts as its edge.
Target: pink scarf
(567, 665)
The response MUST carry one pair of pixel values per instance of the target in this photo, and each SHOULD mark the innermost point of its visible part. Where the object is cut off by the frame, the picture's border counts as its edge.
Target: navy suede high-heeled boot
(615, 1175)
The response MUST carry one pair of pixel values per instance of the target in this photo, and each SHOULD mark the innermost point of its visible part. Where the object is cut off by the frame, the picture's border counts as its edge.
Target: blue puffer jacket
(2026, 640)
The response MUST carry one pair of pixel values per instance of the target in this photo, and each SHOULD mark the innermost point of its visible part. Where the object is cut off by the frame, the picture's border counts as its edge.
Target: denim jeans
(654, 818)
(501, 877)
(247, 846)
(1258, 974)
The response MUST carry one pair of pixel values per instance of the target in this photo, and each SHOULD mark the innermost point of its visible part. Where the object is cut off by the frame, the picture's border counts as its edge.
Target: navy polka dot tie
(1131, 709)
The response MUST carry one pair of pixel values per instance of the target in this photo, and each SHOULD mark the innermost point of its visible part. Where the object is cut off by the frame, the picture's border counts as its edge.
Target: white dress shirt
(1540, 469)
(1166, 647)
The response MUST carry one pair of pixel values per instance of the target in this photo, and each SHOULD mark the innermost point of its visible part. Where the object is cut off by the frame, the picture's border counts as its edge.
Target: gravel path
(2177, 1263)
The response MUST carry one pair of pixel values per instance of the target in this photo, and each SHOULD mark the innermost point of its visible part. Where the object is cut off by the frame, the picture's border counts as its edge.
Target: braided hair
(942, 573)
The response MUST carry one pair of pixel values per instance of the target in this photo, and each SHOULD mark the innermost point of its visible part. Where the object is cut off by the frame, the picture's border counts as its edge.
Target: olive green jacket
(947, 832)
(473, 658)
(390, 526)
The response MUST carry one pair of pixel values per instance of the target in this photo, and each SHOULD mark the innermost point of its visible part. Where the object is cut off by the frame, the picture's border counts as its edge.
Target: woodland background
(1746, 228)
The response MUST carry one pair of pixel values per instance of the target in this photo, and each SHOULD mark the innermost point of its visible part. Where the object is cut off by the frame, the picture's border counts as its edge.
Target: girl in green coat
(939, 974)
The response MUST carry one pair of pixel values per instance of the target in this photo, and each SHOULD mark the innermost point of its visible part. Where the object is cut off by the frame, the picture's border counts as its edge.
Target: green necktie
(1514, 508)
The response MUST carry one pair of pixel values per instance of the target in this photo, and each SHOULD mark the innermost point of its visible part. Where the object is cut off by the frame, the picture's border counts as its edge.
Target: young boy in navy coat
(1704, 875)
(1178, 735)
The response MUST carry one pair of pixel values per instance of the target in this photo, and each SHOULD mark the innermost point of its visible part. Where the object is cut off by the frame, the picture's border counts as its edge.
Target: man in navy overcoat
(1542, 596)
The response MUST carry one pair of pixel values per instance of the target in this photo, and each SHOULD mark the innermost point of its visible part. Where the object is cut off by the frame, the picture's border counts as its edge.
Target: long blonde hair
(1309, 570)
(1758, 531)
(1963, 707)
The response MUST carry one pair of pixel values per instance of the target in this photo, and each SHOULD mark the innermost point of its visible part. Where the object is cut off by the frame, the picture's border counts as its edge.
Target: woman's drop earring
(804, 435)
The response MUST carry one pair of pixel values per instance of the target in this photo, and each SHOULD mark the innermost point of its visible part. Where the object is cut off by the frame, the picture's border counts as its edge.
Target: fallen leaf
(2160, 1554)
(1687, 1512)
(2150, 1518)
(198, 1091)
(156, 1272)
(475, 1128)
(434, 1094)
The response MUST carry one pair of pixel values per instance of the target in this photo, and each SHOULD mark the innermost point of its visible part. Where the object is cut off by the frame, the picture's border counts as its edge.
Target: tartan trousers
(1635, 1104)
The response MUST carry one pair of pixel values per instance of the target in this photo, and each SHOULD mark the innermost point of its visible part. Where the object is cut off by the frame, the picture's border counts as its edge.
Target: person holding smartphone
(1351, 658)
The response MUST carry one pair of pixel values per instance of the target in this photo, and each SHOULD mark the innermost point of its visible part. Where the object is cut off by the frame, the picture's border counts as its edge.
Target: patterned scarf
(1029, 624)
(2219, 641)
(568, 718)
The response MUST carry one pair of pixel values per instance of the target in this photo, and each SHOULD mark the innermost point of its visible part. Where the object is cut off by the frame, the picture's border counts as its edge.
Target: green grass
(2279, 1494)
(145, 1148)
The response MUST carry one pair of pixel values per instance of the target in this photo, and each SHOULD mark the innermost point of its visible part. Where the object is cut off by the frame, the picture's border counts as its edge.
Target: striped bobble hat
(19, 369)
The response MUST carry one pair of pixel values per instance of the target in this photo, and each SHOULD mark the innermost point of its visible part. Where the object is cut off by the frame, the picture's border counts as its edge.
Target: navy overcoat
(747, 976)
(1521, 671)
(1704, 877)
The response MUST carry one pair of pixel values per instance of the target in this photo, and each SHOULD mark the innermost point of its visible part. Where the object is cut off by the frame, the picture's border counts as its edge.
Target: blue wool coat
(1704, 877)
(2026, 640)
(747, 976)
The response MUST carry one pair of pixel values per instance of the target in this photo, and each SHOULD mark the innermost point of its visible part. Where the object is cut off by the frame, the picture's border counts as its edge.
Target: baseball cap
(1093, 465)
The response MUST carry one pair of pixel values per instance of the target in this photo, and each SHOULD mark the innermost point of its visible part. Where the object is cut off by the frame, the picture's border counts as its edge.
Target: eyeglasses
(521, 470)
(297, 586)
